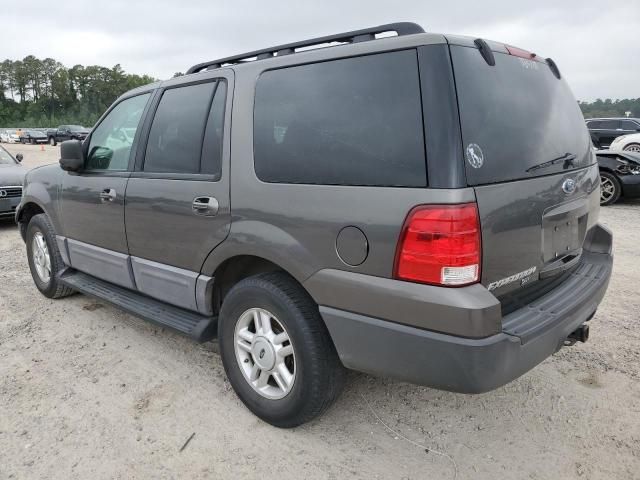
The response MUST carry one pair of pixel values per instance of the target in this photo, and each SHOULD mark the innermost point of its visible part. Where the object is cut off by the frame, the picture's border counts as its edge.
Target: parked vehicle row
(51, 136)
(604, 131)
(357, 206)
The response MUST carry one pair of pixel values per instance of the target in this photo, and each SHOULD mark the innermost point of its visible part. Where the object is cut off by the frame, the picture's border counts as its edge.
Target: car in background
(33, 137)
(66, 132)
(604, 131)
(11, 178)
(619, 175)
(9, 136)
(627, 143)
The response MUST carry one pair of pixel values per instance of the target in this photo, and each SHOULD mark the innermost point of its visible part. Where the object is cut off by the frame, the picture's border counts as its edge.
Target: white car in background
(628, 143)
(9, 136)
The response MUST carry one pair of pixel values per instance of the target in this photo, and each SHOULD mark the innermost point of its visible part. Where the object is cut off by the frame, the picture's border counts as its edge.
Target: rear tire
(52, 141)
(313, 377)
(44, 257)
(610, 189)
(632, 147)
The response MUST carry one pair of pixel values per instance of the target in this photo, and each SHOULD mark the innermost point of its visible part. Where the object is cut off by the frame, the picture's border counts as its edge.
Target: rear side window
(186, 133)
(629, 125)
(353, 121)
(595, 124)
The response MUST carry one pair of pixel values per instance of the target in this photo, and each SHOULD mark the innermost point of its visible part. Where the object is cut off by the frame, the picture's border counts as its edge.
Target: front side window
(186, 133)
(355, 121)
(111, 141)
(609, 124)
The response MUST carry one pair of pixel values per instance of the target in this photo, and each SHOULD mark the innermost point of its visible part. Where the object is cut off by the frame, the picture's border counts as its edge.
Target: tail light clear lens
(440, 245)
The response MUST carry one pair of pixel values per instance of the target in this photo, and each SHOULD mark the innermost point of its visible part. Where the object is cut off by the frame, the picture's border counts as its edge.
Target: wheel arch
(238, 267)
(25, 214)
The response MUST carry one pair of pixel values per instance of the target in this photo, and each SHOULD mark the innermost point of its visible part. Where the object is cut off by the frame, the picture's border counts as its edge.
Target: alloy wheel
(41, 257)
(265, 353)
(607, 189)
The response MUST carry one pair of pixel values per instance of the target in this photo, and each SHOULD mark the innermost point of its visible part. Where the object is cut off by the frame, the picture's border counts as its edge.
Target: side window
(629, 125)
(609, 124)
(111, 141)
(355, 121)
(212, 145)
(185, 117)
(594, 124)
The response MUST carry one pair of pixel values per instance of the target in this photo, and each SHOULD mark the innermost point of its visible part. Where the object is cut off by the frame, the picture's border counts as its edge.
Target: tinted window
(212, 145)
(175, 138)
(355, 121)
(594, 124)
(516, 118)
(110, 144)
(629, 125)
(609, 124)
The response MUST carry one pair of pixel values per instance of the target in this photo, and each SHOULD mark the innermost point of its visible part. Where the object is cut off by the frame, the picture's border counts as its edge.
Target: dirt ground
(87, 391)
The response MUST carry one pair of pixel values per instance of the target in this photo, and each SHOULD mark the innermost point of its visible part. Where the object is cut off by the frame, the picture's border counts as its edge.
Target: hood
(83, 130)
(12, 174)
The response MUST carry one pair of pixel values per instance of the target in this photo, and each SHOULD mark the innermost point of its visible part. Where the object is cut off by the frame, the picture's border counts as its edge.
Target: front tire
(632, 147)
(276, 350)
(45, 262)
(52, 142)
(610, 189)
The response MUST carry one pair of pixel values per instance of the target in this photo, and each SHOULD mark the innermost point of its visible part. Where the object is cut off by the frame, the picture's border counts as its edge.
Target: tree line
(611, 108)
(43, 93)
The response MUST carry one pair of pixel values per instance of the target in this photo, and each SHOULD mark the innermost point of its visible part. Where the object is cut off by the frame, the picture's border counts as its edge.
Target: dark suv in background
(604, 131)
(379, 205)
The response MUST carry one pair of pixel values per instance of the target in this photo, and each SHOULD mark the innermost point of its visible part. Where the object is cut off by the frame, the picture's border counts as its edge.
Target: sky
(596, 44)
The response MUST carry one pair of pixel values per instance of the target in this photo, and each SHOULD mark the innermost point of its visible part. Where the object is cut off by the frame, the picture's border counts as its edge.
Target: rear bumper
(476, 365)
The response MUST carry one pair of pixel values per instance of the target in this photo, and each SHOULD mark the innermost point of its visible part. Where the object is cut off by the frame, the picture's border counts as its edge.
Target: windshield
(5, 158)
(518, 120)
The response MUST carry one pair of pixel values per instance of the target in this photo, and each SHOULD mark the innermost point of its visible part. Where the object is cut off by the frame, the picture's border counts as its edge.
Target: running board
(196, 326)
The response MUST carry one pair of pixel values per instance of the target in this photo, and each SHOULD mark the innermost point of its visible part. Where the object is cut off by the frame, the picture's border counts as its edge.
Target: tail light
(440, 245)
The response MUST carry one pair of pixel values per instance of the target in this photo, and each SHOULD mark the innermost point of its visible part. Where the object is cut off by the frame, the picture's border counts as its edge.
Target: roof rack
(364, 35)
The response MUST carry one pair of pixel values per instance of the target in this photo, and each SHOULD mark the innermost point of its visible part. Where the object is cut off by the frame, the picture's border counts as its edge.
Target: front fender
(42, 188)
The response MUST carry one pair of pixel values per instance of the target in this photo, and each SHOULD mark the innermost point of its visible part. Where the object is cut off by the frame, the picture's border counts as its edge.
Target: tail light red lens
(440, 245)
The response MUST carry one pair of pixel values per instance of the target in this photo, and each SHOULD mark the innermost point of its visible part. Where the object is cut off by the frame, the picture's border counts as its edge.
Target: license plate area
(5, 204)
(563, 230)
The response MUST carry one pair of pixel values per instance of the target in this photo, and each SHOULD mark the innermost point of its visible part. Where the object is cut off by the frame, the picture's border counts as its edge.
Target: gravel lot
(87, 391)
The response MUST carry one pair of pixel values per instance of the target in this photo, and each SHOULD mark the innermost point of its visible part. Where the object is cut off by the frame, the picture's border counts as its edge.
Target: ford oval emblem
(569, 186)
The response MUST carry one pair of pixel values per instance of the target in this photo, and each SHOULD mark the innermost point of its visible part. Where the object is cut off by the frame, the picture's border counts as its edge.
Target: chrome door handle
(207, 206)
(107, 195)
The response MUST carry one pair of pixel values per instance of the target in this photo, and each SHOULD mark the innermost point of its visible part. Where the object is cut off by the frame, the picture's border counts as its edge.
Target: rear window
(518, 120)
(353, 121)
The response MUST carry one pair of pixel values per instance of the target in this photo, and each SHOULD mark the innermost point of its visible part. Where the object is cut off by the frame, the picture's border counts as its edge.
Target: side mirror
(71, 156)
(19, 157)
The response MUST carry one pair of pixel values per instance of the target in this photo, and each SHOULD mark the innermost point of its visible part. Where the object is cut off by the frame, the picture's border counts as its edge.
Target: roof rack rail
(364, 35)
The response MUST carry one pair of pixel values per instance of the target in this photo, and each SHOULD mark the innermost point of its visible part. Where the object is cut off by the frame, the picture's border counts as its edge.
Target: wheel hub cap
(265, 353)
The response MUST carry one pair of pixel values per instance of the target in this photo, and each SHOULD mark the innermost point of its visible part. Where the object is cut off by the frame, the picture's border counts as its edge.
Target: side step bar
(197, 326)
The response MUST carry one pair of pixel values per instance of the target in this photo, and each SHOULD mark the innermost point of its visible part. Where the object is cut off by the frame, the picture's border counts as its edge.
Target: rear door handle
(207, 206)
(107, 195)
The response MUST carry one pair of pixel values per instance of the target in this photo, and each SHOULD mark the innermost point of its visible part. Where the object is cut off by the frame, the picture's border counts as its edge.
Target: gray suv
(418, 206)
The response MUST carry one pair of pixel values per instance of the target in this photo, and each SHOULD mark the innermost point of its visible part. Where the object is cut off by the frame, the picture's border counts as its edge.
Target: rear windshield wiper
(567, 158)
